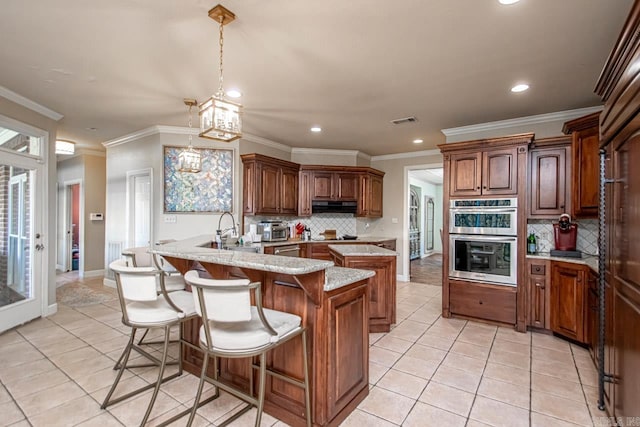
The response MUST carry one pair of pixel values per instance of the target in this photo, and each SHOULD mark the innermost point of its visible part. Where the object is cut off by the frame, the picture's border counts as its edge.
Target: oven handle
(482, 211)
(482, 238)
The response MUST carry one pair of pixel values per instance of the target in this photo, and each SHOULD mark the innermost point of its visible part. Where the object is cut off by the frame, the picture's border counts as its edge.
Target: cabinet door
(322, 186)
(592, 317)
(304, 194)
(548, 182)
(465, 174)
(250, 188)
(346, 186)
(586, 173)
(365, 197)
(499, 172)
(269, 196)
(567, 301)
(288, 191)
(536, 295)
(375, 196)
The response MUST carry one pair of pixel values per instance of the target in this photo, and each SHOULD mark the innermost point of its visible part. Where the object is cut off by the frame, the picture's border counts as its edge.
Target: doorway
(22, 274)
(139, 207)
(73, 226)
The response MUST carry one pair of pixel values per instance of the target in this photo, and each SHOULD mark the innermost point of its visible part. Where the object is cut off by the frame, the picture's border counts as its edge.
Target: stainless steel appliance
(483, 258)
(484, 216)
(273, 231)
(288, 250)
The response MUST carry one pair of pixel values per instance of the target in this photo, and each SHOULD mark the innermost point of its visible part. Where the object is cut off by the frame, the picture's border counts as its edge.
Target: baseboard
(402, 278)
(60, 267)
(109, 282)
(92, 273)
(52, 309)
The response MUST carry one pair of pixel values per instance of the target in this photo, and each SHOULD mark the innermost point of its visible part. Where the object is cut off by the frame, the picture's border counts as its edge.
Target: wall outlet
(366, 226)
(394, 220)
(170, 218)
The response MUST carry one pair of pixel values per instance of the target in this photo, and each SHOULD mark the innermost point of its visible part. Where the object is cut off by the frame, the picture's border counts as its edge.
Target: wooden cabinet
(334, 186)
(538, 293)
(585, 173)
(370, 200)
(270, 186)
(304, 193)
(491, 172)
(387, 244)
(483, 301)
(320, 249)
(568, 300)
(592, 321)
(549, 190)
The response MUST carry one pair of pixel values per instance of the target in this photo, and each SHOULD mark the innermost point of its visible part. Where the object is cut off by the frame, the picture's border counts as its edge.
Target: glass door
(21, 248)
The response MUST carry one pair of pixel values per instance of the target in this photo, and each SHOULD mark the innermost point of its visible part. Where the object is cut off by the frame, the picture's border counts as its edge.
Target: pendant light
(220, 120)
(190, 160)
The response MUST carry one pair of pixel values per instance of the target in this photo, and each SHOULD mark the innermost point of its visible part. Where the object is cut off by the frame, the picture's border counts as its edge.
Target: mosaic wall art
(210, 190)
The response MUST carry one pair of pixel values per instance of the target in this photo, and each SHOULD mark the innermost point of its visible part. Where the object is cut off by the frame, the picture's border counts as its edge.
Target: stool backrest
(135, 283)
(223, 300)
(138, 256)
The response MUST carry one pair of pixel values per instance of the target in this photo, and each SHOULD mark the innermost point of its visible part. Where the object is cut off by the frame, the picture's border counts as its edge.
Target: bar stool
(233, 328)
(144, 307)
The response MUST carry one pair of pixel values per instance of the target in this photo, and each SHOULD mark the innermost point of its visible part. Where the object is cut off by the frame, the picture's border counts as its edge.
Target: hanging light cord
(190, 125)
(221, 41)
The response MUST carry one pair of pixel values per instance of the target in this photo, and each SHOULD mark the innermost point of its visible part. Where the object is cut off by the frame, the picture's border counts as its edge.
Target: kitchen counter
(333, 305)
(588, 260)
(359, 240)
(361, 250)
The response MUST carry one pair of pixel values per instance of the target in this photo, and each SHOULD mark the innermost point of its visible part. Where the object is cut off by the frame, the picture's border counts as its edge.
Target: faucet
(220, 232)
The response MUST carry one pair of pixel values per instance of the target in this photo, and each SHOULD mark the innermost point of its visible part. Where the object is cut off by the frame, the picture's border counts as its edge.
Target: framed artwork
(208, 191)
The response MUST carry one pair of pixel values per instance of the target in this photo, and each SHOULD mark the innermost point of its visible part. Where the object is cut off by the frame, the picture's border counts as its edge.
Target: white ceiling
(349, 66)
(433, 176)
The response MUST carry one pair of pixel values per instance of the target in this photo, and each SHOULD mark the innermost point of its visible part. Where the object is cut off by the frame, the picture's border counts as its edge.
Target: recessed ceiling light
(520, 88)
(418, 141)
(234, 93)
(508, 1)
(316, 129)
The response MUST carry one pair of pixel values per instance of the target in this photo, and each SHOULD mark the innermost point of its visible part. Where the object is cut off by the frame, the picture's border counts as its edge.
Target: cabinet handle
(539, 285)
(561, 206)
(480, 302)
(478, 187)
(485, 187)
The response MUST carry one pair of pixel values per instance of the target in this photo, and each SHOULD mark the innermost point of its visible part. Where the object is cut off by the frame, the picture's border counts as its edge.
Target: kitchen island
(333, 303)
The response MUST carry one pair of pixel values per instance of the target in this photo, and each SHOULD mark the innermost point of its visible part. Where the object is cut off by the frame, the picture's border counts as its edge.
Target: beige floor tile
(541, 420)
(558, 407)
(376, 371)
(471, 336)
(501, 345)
(555, 369)
(588, 376)
(184, 388)
(4, 395)
(88, 367)
(14, 355)
(435, 341)
(27, 370)
(556, 386)
(198, 421)
(498, 414)
(550, 342)
(62, 346)
(457, 378)
(510, 334)
(409, 330)
(36, 328)
(105, 419)
(505, 392)
(100, 379)
(394, 344)
(130, 411)
(216, 410)
(387, 405)
(447, 398)
(75, 357)
(37, 383)
(426, 415)
(402, 383)
(520, 377)
(550, 354)
(508, 358)
(118, 343)
(424, 317)
(360, 418)
(476, 423)
(375, 337)
(125, 386)
(10, 337)
(465, 363)
(424, 352)
(444, 332)
(383, 357)
(420, 368)
(10, 413)
(36, 403)
(72, 412)
(48, 336)
(471, 350)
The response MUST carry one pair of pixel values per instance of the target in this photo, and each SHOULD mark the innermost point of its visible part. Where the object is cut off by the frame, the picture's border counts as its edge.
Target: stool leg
(205, 362)
(261, 387)
(307, 399)
(133, 334)
(167, 332)
(124, 358)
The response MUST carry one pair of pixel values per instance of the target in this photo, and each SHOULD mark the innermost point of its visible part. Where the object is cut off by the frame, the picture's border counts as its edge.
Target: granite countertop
(197, 249)
(361, 250)
(337, 277)
(360, 239)
(588, 260)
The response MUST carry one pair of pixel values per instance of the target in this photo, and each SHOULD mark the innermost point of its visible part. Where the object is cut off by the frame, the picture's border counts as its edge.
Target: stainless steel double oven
(483, 240)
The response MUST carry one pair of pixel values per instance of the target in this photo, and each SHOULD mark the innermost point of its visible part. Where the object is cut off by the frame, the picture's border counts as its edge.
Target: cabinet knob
(478, 187)
(485, 187)
(480, 302)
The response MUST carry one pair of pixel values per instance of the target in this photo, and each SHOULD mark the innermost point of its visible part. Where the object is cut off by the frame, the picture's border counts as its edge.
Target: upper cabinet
(585, 173)
(370, 200)
(334, 186)
(270, 186)
(486, 167)
(549, 190)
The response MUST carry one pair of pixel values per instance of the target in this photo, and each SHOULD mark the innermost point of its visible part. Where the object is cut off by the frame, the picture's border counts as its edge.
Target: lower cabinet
(483, 301)
(568, 296)
(538, 294)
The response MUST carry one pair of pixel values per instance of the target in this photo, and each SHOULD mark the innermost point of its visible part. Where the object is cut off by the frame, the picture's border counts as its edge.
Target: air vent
(404, 120)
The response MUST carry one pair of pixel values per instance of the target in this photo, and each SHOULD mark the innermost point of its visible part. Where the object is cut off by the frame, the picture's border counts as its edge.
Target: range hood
(330, 206)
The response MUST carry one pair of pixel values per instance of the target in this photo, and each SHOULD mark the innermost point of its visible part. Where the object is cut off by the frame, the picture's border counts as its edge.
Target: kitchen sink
(255, 250)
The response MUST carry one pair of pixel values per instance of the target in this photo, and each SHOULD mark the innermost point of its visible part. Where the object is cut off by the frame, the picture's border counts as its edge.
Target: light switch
(394, 220)
(170, 218)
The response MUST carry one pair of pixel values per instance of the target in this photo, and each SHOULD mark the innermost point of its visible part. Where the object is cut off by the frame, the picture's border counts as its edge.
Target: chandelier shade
(220, 120)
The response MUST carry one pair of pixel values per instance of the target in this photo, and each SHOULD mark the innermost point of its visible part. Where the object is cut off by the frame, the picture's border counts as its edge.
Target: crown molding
(330, 152)
(31, 105)
(90, 152)
(266, 142)
(520, 121)
(142, 133)
(406, 155)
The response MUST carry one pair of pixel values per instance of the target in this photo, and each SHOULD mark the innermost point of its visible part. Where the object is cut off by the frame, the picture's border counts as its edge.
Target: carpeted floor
(427, 270)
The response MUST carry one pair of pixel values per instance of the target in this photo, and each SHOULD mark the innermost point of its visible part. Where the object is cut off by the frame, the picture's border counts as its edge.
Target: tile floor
(428, 371)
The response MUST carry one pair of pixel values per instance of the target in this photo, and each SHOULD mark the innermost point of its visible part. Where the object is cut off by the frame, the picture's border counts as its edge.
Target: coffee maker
(565, 234)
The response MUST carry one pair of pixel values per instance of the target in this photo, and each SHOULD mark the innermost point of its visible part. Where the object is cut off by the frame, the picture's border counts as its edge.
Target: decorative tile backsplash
(586, 242)
(317, 223)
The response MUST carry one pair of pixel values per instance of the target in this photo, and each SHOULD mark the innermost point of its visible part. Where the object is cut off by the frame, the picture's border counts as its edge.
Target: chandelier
(220, 119)
(190, 160)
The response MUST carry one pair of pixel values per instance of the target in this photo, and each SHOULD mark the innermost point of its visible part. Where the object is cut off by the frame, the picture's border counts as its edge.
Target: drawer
(482, 301)
(538, 269)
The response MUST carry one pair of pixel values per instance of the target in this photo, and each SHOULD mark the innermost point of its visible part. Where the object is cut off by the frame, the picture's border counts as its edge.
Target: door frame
(68, 219)
(129, 205)
(40, 259)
